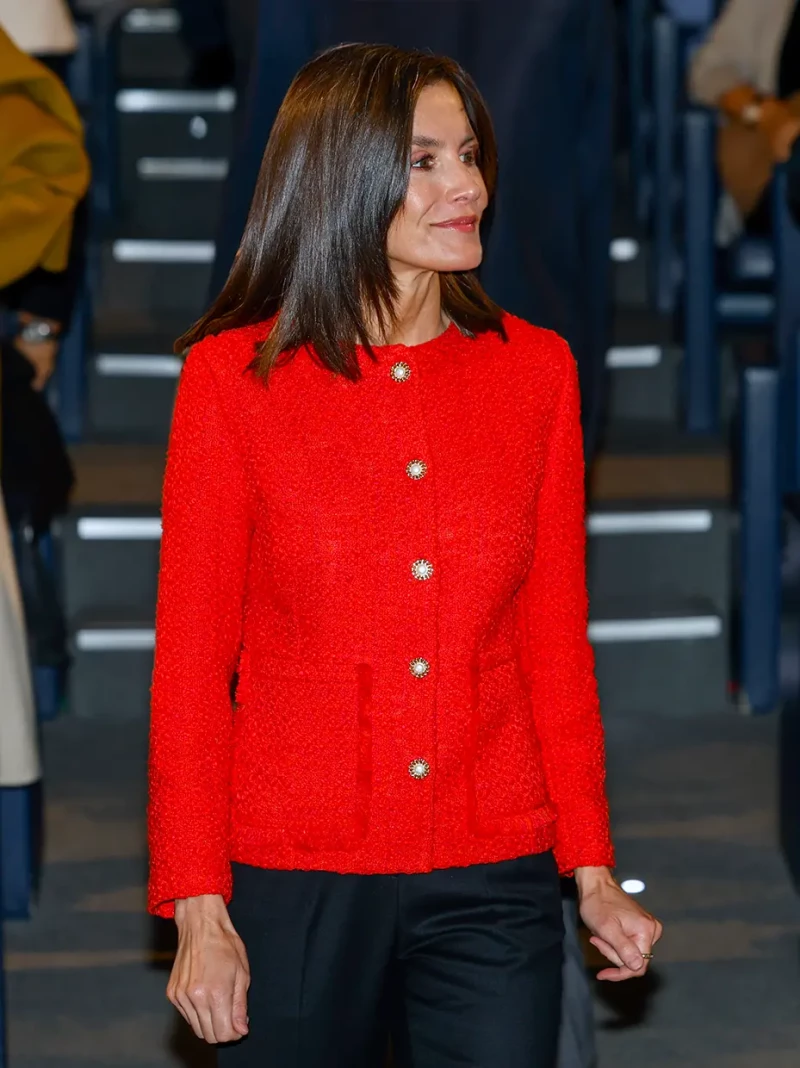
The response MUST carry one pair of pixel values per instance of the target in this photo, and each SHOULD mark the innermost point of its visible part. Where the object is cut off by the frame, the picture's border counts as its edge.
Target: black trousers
(461, 966)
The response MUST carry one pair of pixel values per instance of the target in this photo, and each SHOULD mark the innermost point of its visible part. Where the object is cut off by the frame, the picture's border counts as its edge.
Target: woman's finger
(607, 950)
(617, 975)
(199, 1000)
(221, 1013)
(239, 1008)
(187, 1010)
(625, 947)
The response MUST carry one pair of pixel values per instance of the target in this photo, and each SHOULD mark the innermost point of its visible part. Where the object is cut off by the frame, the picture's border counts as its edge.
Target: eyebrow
(422, 141)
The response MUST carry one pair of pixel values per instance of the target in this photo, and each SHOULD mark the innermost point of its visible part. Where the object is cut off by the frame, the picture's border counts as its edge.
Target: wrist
(35, 331)
(735, 101)
(201, 910)
(591, 879)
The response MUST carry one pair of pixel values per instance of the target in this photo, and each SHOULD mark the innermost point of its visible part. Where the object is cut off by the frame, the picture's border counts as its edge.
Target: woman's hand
(783, 139)
(781, 126)
(619, 927)
(211, 975)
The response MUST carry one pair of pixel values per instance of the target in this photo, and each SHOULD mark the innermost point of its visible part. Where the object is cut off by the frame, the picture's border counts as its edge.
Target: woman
(373, 517)
(749, 69)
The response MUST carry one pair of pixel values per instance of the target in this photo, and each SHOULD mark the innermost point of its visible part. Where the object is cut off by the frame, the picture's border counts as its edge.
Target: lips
(465, 224)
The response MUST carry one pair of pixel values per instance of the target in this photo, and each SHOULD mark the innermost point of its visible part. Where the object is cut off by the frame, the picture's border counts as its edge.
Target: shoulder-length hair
(334, 175)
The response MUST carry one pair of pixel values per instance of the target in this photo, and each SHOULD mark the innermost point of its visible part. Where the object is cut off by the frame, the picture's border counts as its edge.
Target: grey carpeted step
(631, 258)
(155, 276)
(644, 382)
(660, 656)
(149, 48)
(131, 386)
(656, 552)
(173, 196)
(111, 667)
(110, 561)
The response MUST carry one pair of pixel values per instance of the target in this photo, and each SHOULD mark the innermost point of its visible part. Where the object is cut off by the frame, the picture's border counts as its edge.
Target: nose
(465, 186)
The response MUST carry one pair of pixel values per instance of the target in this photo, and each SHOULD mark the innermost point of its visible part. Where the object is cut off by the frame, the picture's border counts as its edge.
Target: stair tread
(652, 606)
(661, 478)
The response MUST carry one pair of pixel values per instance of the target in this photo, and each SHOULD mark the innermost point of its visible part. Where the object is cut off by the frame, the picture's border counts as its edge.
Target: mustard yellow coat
(44, 169)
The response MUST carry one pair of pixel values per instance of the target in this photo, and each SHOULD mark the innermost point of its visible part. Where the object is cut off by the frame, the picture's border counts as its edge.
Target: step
(173, 196)
(111, 668)
(149, 48)
(669, 476)
(117, 475)
(156, 276)
(173, 124)
(110, 561)
(656, 552)
(644, 382)
(654, 658)
(631, 257)
(131, 390)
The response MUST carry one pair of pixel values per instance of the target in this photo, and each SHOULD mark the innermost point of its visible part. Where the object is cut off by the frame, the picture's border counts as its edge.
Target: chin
(467, 262)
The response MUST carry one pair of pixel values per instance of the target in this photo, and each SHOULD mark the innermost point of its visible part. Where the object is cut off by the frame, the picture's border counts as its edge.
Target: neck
(418, 311)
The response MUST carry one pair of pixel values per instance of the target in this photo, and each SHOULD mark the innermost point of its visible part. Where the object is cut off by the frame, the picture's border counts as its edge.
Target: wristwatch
(36, 331)
(751, 113)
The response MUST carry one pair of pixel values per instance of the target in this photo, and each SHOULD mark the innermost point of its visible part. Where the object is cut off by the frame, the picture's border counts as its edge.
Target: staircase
(659, 529)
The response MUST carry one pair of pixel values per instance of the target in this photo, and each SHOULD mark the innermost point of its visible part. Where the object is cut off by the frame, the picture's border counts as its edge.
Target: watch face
(36, 331)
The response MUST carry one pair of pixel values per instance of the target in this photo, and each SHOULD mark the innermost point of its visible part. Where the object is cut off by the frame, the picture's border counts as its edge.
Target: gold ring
(648, 956)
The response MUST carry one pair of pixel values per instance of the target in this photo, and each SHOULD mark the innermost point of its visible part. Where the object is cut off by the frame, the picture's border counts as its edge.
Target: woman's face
(437, 229)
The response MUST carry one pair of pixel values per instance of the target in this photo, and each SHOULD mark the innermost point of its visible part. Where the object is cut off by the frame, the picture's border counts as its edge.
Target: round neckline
(423, 346)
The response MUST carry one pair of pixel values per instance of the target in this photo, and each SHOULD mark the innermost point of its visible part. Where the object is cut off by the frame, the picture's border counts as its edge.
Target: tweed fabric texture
(290, 527)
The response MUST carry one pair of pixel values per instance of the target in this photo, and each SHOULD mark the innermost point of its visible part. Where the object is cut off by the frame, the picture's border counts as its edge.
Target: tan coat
(743, 48)
(19, 748)
(39, 27)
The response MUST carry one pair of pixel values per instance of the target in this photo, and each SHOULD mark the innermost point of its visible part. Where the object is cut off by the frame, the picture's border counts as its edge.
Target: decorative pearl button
(419, 667)
(422, 569)
(416, 469)
(400, 371)
(419, 769)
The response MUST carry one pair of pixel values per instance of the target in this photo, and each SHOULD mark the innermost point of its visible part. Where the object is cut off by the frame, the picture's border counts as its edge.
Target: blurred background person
(19, 745)
(44, 175)
(220, 37)
(749, 69)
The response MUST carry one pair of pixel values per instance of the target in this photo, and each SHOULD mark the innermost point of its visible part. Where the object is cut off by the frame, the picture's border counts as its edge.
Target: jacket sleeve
(206, 518)
(556, 654)
(728, 57)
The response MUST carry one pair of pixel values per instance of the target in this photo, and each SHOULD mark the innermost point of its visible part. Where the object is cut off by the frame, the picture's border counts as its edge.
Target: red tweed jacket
(394, 569)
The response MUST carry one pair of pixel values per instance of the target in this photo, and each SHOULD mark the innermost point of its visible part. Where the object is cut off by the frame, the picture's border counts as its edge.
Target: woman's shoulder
(537, 348)
(228, 353)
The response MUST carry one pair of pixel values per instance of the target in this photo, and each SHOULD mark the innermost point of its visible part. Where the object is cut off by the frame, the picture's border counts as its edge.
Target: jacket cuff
(162, 894)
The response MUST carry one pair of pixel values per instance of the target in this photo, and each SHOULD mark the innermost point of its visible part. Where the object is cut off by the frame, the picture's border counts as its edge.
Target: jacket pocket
(302, 760)
(506, 786)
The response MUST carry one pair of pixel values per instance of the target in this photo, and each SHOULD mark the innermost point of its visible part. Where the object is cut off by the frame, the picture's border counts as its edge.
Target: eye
(470, 157)
(422, 164)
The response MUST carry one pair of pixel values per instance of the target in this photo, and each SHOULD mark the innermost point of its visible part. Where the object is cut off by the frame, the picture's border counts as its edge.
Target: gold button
(400, 371)
(422, 569)
(419, 769)
(419, 667)
(416, 469)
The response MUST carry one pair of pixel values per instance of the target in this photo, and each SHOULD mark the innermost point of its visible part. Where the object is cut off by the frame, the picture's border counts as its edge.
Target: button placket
(419, 706)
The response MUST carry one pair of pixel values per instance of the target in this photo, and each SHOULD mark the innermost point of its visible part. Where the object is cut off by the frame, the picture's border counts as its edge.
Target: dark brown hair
(334, 175)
